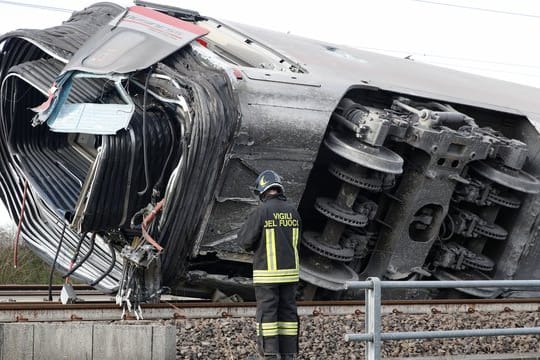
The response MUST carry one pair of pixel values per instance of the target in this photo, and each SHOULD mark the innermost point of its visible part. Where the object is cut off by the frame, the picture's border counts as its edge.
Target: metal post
(373, 319)
(373, 335)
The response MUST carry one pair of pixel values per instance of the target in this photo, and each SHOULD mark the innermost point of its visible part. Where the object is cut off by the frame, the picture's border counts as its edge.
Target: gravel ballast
(322, 337)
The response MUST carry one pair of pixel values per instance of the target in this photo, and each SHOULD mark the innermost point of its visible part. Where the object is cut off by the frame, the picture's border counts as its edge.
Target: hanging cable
(478, 9)
(86, 256)
(54, 261)
(19, 226)
(159, 182)
(146, 224)
(36, 6)
(108, 271)
(75, 255)
(451, 228)
(145, 150)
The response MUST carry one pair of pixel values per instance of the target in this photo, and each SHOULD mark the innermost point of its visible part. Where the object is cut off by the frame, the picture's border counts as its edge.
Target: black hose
(145, 150)
(169, 157)
(54, 261)
(78, 248)
(108, 271)
(86, 256)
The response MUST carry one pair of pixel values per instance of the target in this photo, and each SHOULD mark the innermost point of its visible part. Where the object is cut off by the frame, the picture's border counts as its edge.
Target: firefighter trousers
(277, 318)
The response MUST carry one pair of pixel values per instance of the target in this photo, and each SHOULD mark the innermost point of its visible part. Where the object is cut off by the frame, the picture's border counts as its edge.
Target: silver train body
(138, 177)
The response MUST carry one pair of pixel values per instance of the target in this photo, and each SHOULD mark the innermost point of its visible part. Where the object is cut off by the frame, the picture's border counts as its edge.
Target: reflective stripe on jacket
(273, 232)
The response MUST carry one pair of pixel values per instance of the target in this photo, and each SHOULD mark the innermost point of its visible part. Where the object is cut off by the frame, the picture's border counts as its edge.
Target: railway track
(323, 323)
(37, 293)
(29, 303)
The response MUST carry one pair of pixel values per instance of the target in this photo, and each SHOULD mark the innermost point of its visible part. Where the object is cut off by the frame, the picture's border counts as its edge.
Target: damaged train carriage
(131, 139)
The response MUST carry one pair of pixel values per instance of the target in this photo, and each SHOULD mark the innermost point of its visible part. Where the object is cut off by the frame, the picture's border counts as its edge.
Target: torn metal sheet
(91, 118)
(86, 117)
(133, 41)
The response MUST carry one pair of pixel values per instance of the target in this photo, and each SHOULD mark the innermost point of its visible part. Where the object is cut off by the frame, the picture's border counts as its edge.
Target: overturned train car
(130, 139)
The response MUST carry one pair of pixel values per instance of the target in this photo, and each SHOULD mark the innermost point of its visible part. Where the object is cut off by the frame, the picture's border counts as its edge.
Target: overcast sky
(495, 38)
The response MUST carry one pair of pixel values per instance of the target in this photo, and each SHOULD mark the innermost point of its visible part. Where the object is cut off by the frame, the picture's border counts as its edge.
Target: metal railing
(373, 335)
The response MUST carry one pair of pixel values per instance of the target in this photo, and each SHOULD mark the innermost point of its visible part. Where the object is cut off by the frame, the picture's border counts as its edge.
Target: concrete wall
(45, 341)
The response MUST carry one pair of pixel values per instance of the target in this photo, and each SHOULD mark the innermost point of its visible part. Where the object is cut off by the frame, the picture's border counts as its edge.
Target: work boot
(271, 357)
(287, 356)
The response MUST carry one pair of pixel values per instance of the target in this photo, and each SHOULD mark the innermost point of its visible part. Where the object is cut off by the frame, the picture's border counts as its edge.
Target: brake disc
(468, 258)
(329, 208)
(312, 241)
(514, 179)
(371, 180)
(492, 231)
(506, 201)
(478, 261)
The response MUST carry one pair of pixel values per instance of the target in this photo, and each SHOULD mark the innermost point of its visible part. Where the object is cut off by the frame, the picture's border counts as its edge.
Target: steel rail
(176, 309)
(82, 289)
(25, 287)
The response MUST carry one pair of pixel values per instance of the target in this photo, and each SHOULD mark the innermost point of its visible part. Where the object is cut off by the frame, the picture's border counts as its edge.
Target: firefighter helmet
(266, 180)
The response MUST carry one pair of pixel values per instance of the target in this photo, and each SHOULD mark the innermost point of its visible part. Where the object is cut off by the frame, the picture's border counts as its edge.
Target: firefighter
(272, 231)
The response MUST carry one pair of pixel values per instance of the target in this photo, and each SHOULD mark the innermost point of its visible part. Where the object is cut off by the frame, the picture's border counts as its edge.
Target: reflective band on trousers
(268, 329)
(288, 328)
